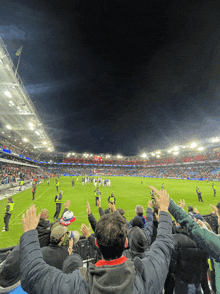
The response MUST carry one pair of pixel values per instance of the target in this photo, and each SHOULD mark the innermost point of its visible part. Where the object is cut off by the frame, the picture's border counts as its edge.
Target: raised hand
(99, 202)
(162, 200)
(31, 221)
(112, 207)
(67, 204)
(150, 203)
(85, 230)
(182, 203)
(215, 210)
(88, 208)
(196, 210)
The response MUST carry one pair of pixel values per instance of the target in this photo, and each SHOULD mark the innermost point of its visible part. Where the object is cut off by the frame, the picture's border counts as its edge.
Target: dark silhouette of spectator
(55, 254)
(71, 263)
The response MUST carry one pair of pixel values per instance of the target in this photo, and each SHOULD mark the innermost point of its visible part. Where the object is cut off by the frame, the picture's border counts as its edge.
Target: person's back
(190, 262)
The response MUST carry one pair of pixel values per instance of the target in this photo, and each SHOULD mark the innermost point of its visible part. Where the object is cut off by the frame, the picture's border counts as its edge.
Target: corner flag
(18, 53)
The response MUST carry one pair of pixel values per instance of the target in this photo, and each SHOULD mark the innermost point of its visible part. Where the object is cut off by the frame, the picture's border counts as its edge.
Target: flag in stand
(18, 53)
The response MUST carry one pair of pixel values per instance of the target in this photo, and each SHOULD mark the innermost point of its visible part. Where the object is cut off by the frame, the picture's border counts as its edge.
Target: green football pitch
(128, 192)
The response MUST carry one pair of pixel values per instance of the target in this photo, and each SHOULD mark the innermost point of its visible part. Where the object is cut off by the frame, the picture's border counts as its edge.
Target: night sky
(119, 76)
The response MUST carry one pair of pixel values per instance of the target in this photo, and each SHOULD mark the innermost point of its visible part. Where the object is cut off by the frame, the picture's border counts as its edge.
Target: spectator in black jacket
(55, 254)
(188, 265)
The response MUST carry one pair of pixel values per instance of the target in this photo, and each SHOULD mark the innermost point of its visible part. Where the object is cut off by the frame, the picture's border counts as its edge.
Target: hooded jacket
(121, 276)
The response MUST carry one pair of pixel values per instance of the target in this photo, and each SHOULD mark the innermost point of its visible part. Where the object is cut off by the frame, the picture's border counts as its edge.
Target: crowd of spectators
(148, 254)
(206, 170)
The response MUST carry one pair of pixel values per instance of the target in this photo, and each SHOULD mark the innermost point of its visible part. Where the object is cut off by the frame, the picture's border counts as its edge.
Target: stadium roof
(19, 119)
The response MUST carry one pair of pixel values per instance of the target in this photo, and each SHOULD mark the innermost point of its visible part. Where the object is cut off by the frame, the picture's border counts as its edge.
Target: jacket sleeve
(92, 221)
(154, 268)
(101, 212)
(7, 208)
(39, 277)
(205, 239)
(55, 198)
(148, 229)
(91, 240)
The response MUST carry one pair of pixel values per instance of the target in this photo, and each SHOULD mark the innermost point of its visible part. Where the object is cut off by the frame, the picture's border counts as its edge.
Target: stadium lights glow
(34, 146)
(158, 152)
(158, 156)
(8, 127)
(73, 153)
(31, 124)
(200, 148)
(25, 139)
(18, 107)
(169, 151)
(184, 147)
(37, 133)
(175, 153)
(15, 140)
(90, 154)
(144, 155)
(193, 145)
(176, 148)
(31, 128)
(3, 132)
(215, 140)
(9, 136)
(44, 143)
(7, 94)
(153, 154)
(49, 149)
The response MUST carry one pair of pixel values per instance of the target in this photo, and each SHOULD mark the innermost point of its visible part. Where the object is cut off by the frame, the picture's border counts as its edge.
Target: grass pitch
(128, 192)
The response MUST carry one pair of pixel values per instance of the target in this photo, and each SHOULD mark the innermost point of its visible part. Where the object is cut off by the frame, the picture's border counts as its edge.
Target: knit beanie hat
(67, 219)
(137, 240)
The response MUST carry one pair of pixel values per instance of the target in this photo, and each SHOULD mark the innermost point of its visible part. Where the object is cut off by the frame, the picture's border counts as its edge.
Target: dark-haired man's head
(44, 214)
(137, 222)
(111, 232)
(121, 211)
(139, 210)
(57, 235)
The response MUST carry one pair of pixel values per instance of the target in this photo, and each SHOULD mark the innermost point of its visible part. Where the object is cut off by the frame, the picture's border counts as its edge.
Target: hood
(115, 276)
(137, 240)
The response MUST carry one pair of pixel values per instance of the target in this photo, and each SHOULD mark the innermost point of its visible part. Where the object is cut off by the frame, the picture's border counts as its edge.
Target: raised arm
(154, 267)
(205, 239)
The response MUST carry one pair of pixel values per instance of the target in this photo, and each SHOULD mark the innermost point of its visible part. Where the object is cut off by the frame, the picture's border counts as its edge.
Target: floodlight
(3, 132)
(153, 154)
(158, 152)
(25, 139)
(20, 143)
(15, 140)
(215, 140)
(49, 149)
(175, 153)
(31, 124)
(144, 155)
(44, 142)
(193, 145)
(200, 148)
(18, 107)
(9, 136)
(158, 155)
(37, 133)
(184, 147)
(7, 94)
(176, 148)
(118, 156)
(35, 147)
(169, 151)
(31, 128)
(73, 153)
(8, 127)
(90, 154)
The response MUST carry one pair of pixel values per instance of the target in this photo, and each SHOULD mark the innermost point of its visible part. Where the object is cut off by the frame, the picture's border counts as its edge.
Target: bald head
(44, 214)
